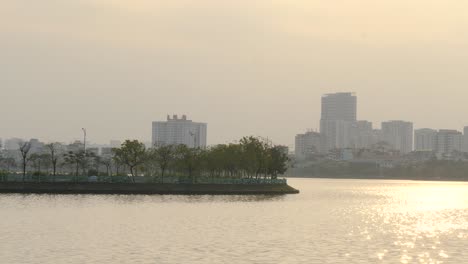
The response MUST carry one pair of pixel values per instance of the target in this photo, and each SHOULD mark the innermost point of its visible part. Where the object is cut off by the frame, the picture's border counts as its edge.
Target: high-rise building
(465, 139)
(399, 134)
(177, 131)
(339, 112)
(339, 106)
(425, 139)
(448, 141)
(307, 144)
(336, 134)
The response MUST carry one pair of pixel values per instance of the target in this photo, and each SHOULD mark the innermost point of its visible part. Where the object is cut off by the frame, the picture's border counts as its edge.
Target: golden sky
(245, 67)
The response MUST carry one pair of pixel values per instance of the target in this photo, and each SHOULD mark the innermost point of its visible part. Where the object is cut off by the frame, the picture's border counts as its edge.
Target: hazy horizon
(243, 67)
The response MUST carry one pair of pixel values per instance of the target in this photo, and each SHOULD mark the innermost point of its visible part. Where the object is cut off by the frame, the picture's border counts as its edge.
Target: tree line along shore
(251, 158)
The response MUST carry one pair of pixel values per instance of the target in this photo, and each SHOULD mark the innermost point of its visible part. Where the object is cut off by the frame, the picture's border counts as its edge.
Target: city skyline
(291, 141)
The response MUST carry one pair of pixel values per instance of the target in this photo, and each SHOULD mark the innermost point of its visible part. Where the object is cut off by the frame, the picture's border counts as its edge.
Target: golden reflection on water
(417, 216)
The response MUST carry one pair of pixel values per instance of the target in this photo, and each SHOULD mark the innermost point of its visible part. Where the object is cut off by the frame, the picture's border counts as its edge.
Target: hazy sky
(245, 67)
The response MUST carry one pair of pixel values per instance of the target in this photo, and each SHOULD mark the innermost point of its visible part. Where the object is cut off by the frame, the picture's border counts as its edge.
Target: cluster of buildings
(10, 147)
(174, 130)
(341, 131)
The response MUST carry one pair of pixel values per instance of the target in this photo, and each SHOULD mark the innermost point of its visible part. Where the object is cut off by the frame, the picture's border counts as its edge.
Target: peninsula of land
(146, 188)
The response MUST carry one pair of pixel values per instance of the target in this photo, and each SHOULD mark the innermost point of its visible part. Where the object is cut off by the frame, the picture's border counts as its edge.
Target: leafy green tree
(278, 161)
(164, 156)
(188, 159)
(255, 155)
(132, 153)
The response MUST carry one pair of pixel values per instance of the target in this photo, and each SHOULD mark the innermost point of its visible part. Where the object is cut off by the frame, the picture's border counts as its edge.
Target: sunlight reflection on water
(331, 221)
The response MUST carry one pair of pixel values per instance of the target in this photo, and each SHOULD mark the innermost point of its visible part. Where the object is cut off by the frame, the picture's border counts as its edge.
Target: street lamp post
(84, 139)
(194, 138)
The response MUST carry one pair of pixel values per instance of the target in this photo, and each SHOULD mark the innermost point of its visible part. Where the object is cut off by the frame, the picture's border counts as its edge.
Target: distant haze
(244, 67)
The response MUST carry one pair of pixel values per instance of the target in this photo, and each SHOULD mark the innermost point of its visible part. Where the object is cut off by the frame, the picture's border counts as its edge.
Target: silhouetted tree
(53, 149)
(24, 148)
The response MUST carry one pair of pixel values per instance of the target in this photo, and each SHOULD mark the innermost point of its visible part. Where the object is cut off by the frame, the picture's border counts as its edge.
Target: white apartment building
(399, 134)
(306, 145)
(465, 139)
(177, 131)
(362, 135)
(338, 117)
(12, 143)
(425, 139)
(336, 134)
(448, 141)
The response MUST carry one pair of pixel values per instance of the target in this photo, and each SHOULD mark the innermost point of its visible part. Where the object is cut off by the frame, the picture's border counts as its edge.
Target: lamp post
(84, 139)
(194, 138)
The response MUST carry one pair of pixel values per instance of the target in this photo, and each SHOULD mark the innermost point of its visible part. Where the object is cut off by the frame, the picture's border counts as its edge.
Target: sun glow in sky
(245, 67)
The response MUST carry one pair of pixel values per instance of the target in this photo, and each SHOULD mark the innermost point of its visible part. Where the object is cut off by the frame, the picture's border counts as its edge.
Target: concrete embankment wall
(145, 188)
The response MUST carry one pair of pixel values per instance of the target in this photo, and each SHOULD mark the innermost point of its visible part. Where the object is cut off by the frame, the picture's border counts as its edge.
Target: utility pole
(84, 139)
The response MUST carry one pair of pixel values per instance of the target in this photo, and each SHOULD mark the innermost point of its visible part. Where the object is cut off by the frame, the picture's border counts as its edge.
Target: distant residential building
(339, 111)
(76, 146)
(377, 136)
(337, 134)
(307, 145)
(362, 135)
(12, 143)
(179, 131)
(36, 146)
(115, 143)
(465, 139)
(448, 141)
(106, 151)
(399, 134)
(425, 139)
(339, 106)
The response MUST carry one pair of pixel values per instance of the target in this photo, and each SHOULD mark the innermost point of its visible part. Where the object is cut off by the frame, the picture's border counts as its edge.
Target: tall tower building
(399, 134)
(339, 106)
(339, 113)
(177, 131)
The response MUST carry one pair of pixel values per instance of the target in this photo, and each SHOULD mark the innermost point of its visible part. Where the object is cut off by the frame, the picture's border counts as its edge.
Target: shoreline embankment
(145, 188)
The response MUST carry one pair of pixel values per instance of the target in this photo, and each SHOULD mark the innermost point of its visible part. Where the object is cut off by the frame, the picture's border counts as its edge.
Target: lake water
(331, 221)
